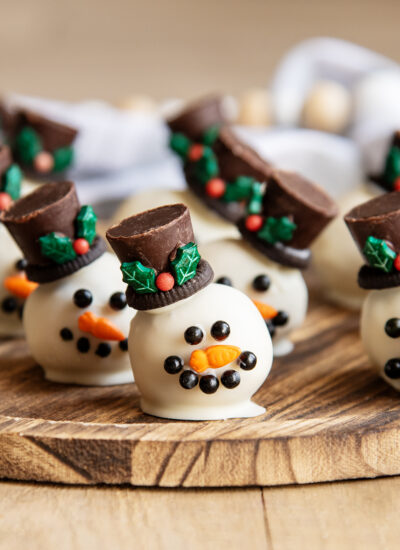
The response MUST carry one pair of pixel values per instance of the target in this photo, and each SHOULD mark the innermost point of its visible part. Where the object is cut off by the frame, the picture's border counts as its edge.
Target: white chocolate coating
(327, 107)
(51, 308)
(207, 225)
(158, 334)
(380, 306)
(238, 260)
(336, 259)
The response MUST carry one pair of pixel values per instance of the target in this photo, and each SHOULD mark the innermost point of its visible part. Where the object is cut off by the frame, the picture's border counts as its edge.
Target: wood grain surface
(329, 417)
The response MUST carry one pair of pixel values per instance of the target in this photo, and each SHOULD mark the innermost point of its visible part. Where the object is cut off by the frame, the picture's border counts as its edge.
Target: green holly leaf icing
(392, 165)
(180, 144)
(63, 158)
(185, 263)
(211, 134)
(207, 167)
(255, 202)
(86, 224)
(11, 181)
(239, 190)
(142, 279)
(27, 145)
(57, 247)
(277, 230)
(379, 254)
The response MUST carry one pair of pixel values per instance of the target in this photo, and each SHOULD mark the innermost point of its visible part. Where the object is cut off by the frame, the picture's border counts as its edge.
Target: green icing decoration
(277, 230)
(86, 224)
(27, 145)
(211, 134)
(379, 254)
(11, 181)
(63, 158)
(186, 262)
(142, 279)
(240, 189)
(180, 144)
(207, 167)
(392, 165)
(255, 203)
(57, 247)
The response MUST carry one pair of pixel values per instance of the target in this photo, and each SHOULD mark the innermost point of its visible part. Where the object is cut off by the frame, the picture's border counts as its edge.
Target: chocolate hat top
(56, 235)
(294, 212)
(375, 227)
(389, 179)
(160, 261)
(199, 116)
(10, 178)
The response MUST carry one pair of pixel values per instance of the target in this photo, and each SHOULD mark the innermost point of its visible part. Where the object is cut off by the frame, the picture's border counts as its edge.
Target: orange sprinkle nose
(99, 327)
(213, 357)
(19, 285)
(267, 312)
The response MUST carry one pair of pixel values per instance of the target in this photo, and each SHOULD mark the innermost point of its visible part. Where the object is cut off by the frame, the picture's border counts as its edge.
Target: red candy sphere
(215, 188)
(5, 201)
(196, 152)
(396, 263)
(165, 282)
(396, 185)
(254, 222)
(81, 246)
(43, 162)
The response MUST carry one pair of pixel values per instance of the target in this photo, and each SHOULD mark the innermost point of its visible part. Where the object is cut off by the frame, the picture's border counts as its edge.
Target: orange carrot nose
(100, 327)
(213, 357)
(267, 312)
(19, 285)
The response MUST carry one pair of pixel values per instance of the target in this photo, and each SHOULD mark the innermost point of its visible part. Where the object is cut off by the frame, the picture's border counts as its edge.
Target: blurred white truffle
(327, 107)
(137, 103)
(255, 108)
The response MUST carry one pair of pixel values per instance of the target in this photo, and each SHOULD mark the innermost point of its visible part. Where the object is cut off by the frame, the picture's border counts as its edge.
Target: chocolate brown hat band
(371, 278)
(278, 252)
(204, 276)
(379, 180)
(53, 272)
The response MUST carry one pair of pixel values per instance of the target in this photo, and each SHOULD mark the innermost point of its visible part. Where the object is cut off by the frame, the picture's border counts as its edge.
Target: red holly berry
(396, 185)
(81, 246)
(215, 188)
(5, 201)
(396, 262)
(254, 222)
(195, 152)
(165, 281)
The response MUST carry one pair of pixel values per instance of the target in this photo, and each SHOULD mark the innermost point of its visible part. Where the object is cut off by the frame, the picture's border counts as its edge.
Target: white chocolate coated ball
(255, 108)
(136, 103)
(207, 225)
(327, 107)
(378, 308)
(51, 307)
(158, 334)
(336, 259)
(241, 263)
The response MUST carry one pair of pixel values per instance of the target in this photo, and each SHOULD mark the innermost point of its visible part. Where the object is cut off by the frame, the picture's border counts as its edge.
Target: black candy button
(247, 360)
(193, 335)
(224, 281)
(271, 327)
(188, 379)
(261, 283)
(103, 349)
(280, 319)
(392, 368)
(123, 344)
(209, 383)
(230, 379)
(66, 334)
(118, 300)
(392, 327)
(220, 330)
(173, 364)
(21, 264)
(83, 298)
(9, 305)
(83, 345)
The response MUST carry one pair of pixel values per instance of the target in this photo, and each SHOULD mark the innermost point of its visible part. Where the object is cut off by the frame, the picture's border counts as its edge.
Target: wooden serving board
(329, 417)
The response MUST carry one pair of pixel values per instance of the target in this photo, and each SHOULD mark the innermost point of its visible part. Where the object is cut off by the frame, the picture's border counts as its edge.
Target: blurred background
(172, 48)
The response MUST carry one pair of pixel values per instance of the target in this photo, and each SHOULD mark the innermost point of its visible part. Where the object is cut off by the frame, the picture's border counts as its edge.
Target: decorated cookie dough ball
(76, 322)
(199, 351)
(327, 107)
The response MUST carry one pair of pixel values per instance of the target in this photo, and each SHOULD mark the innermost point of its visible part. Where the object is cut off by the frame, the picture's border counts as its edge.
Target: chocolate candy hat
(389, 179)
(10, 178)
(160, 261)
(56, 235)
(41, 146)
(294, 212)
(375, 227)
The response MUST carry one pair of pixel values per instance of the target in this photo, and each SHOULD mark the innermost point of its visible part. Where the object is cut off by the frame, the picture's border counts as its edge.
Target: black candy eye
(193, 335)
(261, 282)
(83, 298)
(118, 300)
(21, 264)
(392, 327)
(220, 330)
(224, 281)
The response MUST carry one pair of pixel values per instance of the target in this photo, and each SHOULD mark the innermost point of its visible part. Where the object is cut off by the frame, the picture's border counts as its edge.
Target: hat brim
(372, 278)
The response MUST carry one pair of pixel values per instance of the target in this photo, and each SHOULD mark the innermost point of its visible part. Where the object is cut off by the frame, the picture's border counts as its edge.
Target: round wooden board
(329, 417)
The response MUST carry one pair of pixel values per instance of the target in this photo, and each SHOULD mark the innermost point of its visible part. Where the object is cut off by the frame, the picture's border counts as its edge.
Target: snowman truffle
(199, 351)
(266, 263)
(375, 227)
(76, 321)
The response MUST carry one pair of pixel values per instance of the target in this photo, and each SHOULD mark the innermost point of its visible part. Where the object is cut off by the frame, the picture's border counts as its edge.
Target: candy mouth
(84, 345)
